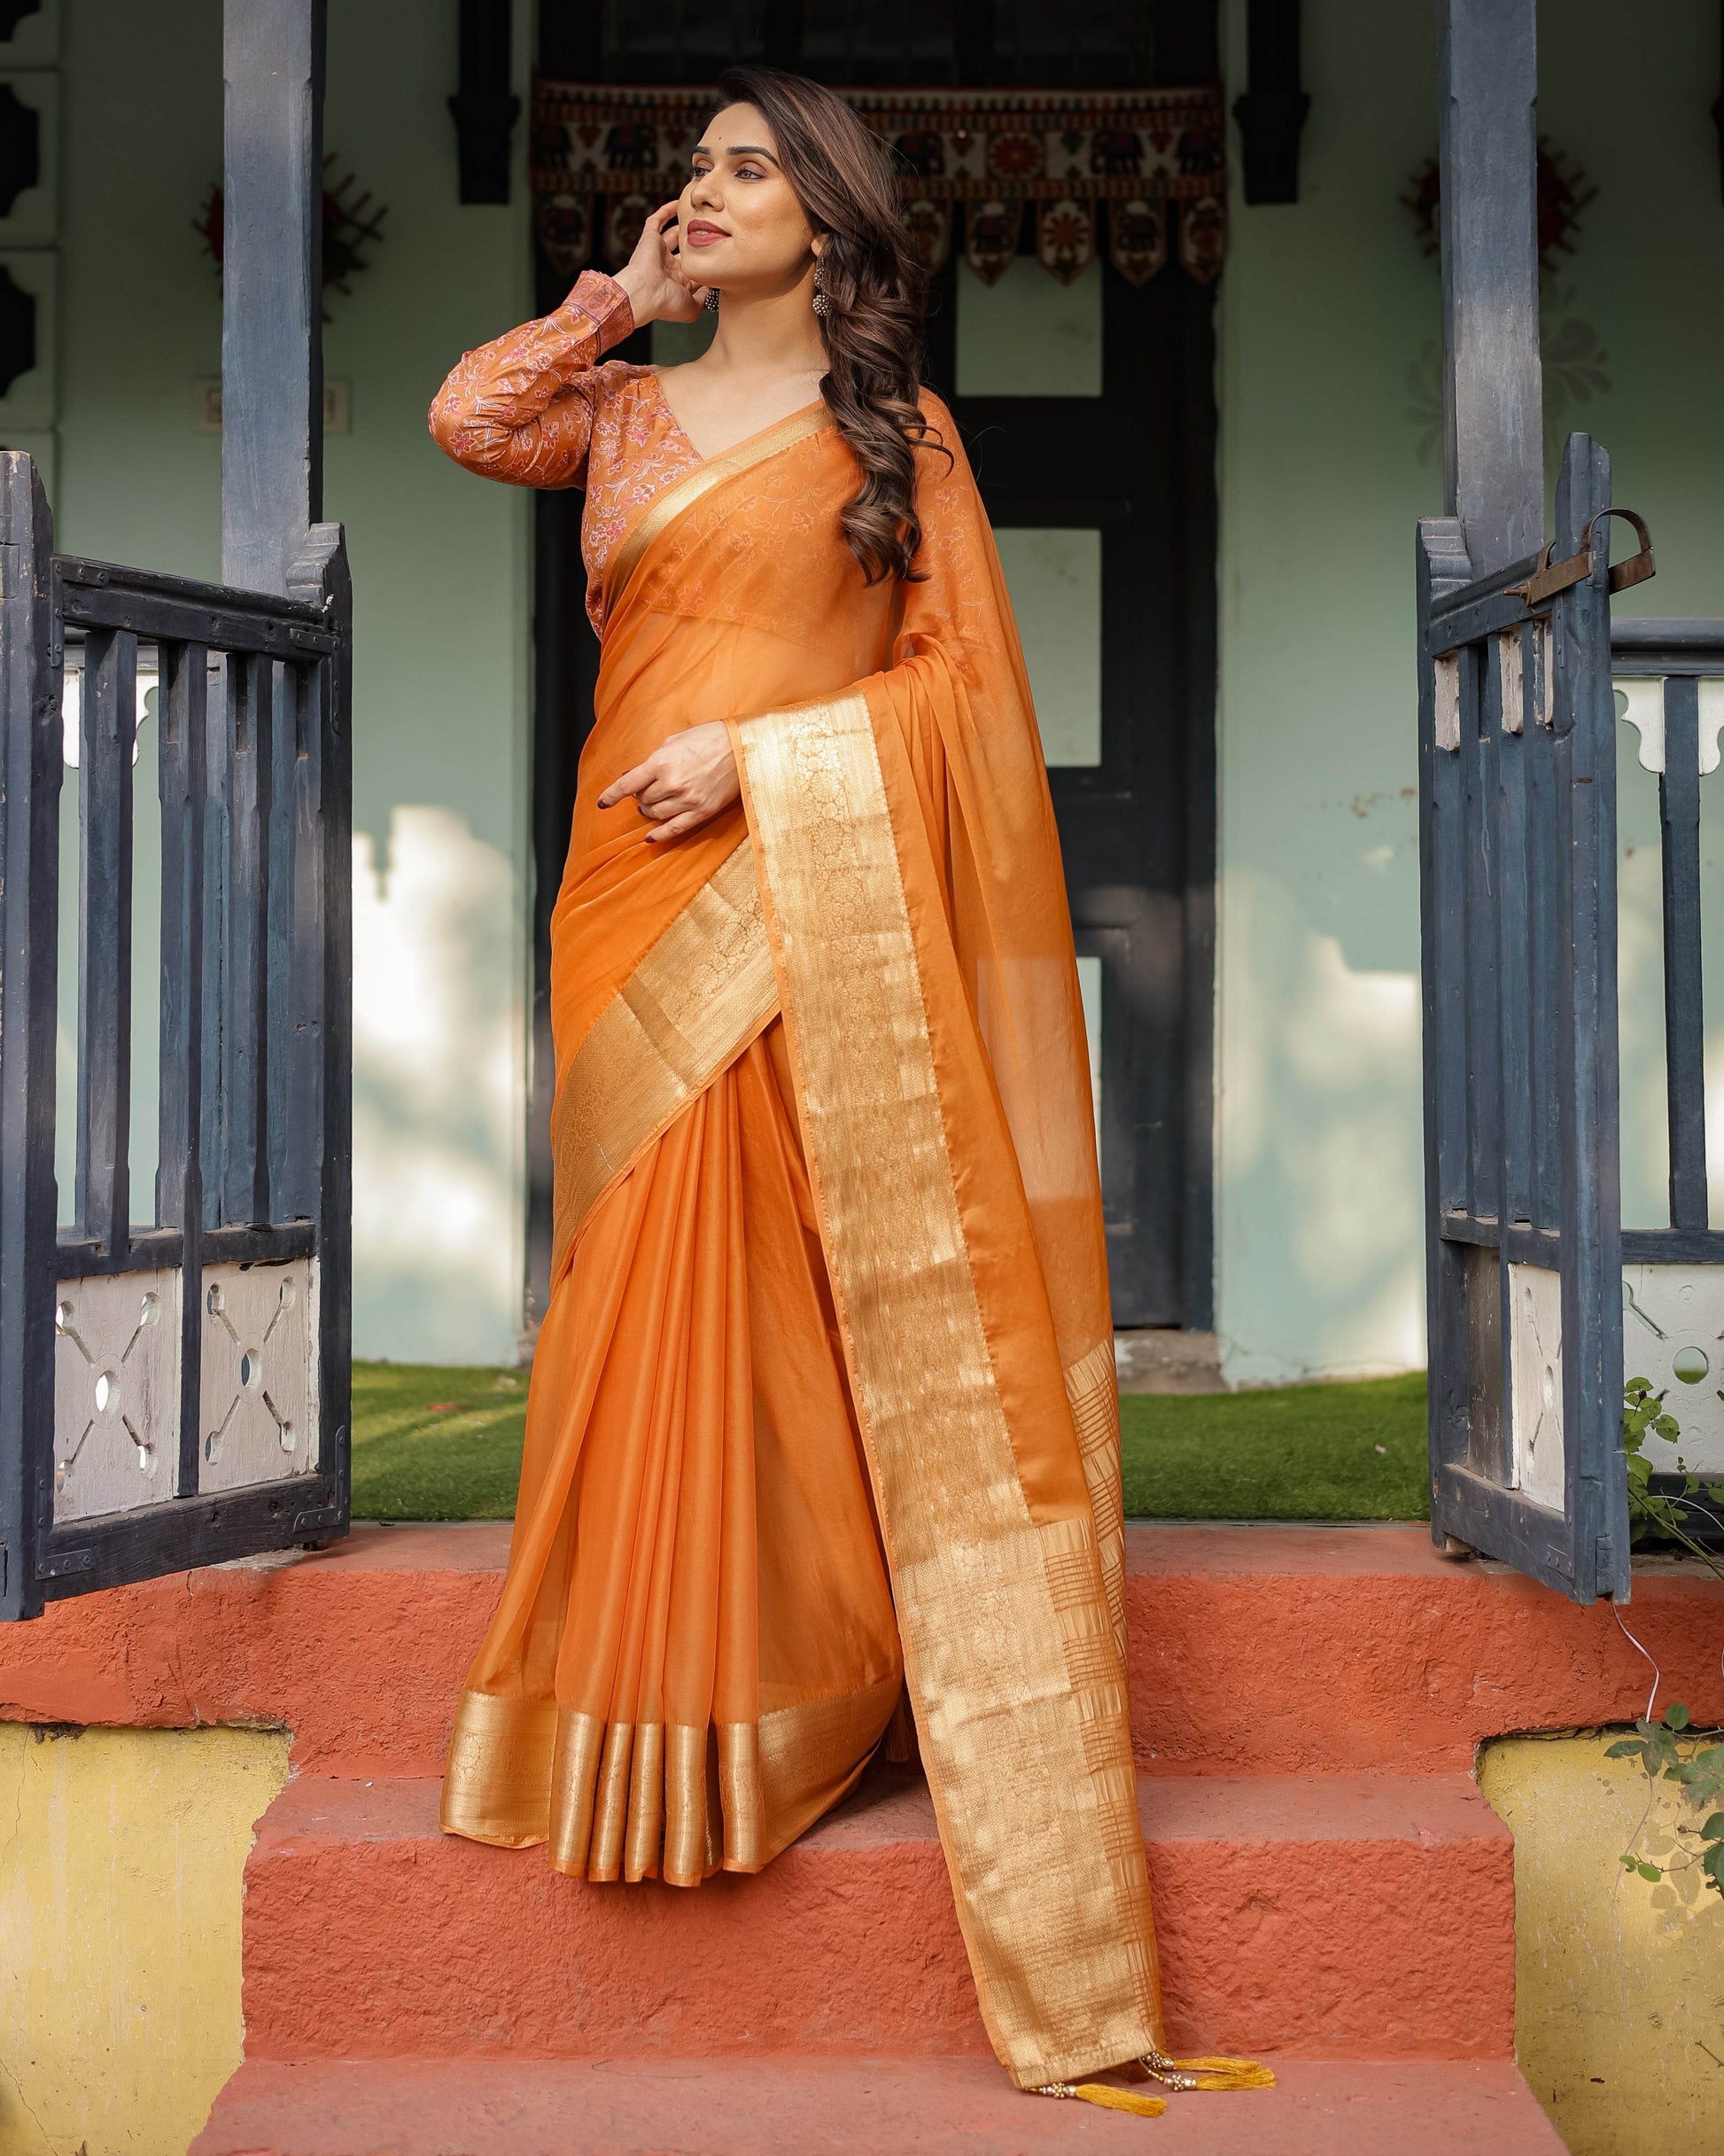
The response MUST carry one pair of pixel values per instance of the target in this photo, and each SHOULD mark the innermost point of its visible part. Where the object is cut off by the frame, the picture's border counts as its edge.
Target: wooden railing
(1677, 656)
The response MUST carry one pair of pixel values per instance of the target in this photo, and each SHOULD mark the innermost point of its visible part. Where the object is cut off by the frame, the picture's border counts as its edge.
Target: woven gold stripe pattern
(1093, 1387)
(630, 1801)
(1007, 1630)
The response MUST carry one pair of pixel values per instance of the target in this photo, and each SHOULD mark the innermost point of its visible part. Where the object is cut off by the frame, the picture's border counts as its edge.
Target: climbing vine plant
(1671, 1750)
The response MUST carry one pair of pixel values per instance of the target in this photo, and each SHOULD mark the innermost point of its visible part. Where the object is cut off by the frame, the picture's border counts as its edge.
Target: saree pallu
(823, 1405)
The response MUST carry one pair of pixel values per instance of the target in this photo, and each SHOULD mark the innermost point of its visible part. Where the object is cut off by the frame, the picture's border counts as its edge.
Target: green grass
(1347, 1452)
(431, 1443)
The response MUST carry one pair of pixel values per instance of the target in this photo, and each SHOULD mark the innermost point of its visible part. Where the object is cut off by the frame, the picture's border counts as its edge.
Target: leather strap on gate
(1551, 577)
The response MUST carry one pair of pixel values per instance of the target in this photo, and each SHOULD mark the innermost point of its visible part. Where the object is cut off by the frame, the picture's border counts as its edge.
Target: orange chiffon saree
(823, 1409)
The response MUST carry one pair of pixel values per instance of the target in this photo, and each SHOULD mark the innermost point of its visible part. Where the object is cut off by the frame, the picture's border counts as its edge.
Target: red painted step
(1299, 1650)
(851, 2107)
(1341, 1915)
(1255, 1650)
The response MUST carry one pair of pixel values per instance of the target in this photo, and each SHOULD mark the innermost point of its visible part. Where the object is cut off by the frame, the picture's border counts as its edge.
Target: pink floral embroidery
(536, 409)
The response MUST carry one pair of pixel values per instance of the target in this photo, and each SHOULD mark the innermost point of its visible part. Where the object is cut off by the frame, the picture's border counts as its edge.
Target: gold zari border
(711, 472)
(1007, 1633)
(702, 991)
(1092, 1388)
(497, 1785)
(634, 1801)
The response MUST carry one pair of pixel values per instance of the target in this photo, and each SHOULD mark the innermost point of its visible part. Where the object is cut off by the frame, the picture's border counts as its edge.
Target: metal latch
(1551, 577)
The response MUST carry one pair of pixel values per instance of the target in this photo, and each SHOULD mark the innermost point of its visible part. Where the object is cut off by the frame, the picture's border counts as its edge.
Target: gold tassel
(1207, 2074)
(1109, 2099)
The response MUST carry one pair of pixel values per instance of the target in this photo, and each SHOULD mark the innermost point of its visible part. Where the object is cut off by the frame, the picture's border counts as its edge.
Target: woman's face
(741, 225)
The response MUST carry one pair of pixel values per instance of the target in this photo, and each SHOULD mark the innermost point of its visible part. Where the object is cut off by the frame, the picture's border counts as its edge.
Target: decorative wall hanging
(350, 227)
(1153, 162)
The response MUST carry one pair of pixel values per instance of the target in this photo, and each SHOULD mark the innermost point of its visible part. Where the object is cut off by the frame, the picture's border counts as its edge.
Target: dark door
(1088, 414)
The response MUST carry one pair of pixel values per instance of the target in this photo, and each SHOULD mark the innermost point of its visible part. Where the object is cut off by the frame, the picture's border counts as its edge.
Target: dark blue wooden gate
(174, 1368)
(1523, 1211)
(1525, 1252)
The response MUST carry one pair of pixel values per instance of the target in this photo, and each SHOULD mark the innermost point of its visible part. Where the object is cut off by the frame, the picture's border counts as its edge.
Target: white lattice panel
(1673, 1335)
(259, 1412)
(116, 1392)
(1535, 1371)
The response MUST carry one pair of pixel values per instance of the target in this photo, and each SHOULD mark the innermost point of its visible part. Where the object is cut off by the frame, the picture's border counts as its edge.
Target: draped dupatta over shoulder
(863, 976)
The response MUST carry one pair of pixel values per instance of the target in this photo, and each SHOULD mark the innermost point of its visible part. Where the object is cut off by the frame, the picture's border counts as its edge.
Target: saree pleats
(652, 1700)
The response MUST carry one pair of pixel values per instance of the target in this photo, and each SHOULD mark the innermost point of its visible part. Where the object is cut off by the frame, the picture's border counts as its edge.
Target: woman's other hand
(653, 275)
(687, 780)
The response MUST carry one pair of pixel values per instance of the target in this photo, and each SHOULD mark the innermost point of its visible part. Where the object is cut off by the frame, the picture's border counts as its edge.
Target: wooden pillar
(1493, 405)
(272, 279)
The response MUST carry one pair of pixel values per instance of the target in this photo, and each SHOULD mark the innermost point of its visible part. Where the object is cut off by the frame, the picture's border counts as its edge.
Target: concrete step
(850, 2107)
(1341, 1915)
(1255, 1650)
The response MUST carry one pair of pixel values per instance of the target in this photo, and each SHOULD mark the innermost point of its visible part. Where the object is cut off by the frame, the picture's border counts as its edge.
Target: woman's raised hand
(652, 277)
(687, 780)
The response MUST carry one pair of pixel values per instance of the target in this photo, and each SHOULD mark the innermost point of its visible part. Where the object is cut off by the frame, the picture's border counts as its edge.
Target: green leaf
(1713, 1829)
(1676, 1716)
(1713, 1863)
(1649, 1872)
(1629, 1748)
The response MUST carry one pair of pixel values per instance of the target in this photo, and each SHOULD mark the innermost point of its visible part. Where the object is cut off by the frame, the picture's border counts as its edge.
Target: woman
(823, 1404)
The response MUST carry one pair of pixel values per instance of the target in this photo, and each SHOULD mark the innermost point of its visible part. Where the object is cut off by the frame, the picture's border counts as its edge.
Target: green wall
(440, 579)
(1330, 324)
(1328, 384)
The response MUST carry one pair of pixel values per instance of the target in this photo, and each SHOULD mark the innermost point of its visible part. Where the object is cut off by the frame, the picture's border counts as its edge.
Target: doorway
(1088, 414)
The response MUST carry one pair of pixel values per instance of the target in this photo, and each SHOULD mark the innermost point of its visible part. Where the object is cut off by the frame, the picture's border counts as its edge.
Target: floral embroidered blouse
(536, 409)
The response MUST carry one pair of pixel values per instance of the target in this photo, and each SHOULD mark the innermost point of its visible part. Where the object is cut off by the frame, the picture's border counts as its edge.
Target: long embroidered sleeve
(521, 409)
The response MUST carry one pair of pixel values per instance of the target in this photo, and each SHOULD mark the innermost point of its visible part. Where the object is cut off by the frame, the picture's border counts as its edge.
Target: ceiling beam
(1271, 113)
(485, 107)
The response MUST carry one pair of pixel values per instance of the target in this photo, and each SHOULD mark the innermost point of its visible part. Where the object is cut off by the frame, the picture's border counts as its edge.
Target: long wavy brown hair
(875, 292)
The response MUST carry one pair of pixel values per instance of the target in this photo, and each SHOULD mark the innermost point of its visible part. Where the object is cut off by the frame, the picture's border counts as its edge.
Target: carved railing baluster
(107, 736)
(184, 704)
(1684, 998)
